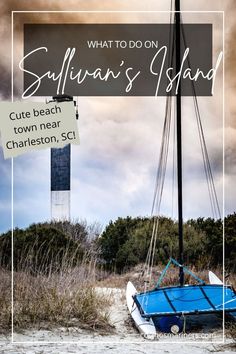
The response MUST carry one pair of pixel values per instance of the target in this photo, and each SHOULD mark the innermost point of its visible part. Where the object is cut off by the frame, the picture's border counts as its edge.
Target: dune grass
(68, 298)
(5, 301)
(65, 297)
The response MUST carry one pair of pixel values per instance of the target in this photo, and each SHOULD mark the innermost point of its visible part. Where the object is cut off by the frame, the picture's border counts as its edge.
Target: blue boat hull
(186, 300)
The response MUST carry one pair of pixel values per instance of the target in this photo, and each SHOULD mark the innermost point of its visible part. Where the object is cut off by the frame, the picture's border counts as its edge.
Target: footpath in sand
(124, 339)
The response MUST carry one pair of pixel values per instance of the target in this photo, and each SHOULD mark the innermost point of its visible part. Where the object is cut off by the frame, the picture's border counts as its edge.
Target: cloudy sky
(113, 169)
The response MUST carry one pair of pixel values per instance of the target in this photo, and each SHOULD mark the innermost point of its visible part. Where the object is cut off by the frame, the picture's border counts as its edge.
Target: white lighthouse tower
(61, 175)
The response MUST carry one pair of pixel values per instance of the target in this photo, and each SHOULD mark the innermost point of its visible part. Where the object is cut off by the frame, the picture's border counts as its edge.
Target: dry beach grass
(66, 298)
(5, 301)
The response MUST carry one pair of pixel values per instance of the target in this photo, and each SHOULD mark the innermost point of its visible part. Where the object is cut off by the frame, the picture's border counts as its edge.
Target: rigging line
(164, 161)
(174, 163)
(204, 161)
(213, 198)
(168, 111)
(161, 159)
(164, 152)
(164, 157)
(205, 167)
(158, 190)
(167, 105)
(159, 182)
(162, 181)
(161, 164)
(200, 137)
(209, 176)
(171, 35)
(208, 166)
(208, 170)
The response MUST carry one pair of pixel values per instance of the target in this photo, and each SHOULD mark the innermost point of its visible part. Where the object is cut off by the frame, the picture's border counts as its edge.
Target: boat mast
(179, 139)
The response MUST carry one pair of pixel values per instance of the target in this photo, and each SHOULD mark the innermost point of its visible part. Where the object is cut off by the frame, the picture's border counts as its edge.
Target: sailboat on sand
(163, 308)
